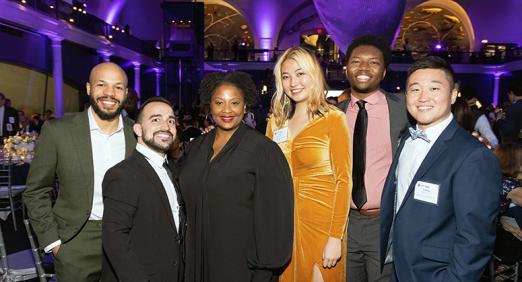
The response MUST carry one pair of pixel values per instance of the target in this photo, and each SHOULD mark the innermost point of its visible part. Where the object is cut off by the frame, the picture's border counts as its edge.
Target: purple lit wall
(27, 49)
(145, 18)
(109, 11)
(498, 22)
(346, 20)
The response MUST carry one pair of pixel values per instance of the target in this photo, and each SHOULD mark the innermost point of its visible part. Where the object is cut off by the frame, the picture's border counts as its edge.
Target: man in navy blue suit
(441, 196)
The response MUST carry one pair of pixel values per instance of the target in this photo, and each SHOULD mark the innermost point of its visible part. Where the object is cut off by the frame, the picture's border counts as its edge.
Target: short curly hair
(371, 40)
(241, 80)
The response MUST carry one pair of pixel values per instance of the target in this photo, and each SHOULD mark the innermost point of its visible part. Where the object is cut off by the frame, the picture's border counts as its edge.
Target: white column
(496, 84)
(57, 75)
(137, 80)
(265, 43)
(158, 80)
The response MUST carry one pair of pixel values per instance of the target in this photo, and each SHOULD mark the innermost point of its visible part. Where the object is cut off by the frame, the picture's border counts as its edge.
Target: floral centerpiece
(19, 149)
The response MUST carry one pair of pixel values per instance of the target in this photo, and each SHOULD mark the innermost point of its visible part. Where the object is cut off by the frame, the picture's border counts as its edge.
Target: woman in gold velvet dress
(314, 138)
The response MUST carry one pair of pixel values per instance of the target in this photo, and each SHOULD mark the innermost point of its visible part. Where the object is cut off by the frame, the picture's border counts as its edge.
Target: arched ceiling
(496, 21)
(425, 26)
(225, 27)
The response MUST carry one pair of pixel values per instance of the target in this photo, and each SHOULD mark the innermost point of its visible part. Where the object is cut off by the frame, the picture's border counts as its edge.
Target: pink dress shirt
(378, 145)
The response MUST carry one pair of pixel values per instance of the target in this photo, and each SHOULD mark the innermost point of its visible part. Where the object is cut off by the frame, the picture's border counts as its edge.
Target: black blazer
(10, 117)
(140, 239)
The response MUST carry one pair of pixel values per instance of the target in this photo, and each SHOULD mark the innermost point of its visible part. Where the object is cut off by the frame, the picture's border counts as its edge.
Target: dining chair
(10, 195)
(43, 276)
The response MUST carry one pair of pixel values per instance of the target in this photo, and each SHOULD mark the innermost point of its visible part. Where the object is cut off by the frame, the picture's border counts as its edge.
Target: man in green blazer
(79, 149)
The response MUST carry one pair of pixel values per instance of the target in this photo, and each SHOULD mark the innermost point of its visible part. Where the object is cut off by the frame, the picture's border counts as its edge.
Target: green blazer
(64, 149)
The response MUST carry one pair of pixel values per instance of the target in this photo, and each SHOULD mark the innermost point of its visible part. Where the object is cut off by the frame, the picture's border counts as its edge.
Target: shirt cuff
(50, 247)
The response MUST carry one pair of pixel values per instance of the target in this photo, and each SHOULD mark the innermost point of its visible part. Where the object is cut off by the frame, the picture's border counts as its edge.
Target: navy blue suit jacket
(452, 240)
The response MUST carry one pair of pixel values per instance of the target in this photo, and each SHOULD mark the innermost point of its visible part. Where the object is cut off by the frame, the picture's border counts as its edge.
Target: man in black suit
(143, 220)
(8, 119)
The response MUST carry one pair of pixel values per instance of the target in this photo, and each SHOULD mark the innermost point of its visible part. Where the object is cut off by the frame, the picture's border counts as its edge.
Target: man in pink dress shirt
(368, 58)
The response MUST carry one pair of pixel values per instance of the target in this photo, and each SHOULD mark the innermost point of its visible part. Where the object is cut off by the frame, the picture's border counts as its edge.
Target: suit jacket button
(175, 263)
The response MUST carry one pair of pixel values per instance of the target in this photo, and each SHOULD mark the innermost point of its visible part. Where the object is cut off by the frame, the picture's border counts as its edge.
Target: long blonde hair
(282, 106)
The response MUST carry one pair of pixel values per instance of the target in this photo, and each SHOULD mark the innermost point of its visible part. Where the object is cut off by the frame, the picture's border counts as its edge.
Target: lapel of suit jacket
(391, 179)
(81, 136)
(130, 139)
(431, 158)
(181, 203)
(394, 110)
(157, 186)
(343, 105)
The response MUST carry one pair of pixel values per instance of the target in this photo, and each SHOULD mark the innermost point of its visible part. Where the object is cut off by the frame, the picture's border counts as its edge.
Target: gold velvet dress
(319, 157)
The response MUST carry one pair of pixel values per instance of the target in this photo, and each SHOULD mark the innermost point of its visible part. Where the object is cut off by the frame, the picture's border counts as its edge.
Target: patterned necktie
(418, 134)
(359, 156)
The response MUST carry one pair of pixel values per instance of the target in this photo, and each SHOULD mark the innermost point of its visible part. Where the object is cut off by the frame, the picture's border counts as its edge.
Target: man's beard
(365, 90)
(160, 148)
(104, 115)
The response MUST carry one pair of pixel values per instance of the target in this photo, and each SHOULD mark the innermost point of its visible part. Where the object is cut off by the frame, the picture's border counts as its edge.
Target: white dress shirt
(412, 156)
(107, 151)
(156, 161)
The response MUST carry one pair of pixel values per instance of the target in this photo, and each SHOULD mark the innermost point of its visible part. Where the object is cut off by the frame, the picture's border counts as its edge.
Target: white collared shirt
(107, 151)
(412, 156)
(156, 161)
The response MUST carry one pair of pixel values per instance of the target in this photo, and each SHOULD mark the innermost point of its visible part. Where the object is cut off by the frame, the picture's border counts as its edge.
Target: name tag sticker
(426, 192)
(281, 135)
(11, 120)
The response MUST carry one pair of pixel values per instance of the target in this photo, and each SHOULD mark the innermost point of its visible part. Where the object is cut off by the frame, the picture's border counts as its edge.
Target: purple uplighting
(496, 84)
(265, 25)
(438, 46)
(114, 11)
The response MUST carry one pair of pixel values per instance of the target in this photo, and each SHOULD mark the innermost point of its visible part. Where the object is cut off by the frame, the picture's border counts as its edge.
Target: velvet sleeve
(341, 162)
(269, 130)
(273, 210)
